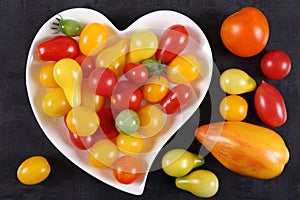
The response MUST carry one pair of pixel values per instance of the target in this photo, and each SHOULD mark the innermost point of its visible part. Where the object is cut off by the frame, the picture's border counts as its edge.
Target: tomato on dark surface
(172, 43)
(102, 81)
(107, 123)
(269, 105)
(136, 73)
(57, 48)
(127, 169)
(275, 65)
(126, 95)
(176, 99)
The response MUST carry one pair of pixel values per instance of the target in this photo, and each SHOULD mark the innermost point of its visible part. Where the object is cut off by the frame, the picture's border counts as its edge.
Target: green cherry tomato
(68, 27)
(127, 122)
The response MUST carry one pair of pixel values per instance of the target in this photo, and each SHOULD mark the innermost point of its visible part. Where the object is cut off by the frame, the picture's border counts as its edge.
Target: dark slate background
(21, 136)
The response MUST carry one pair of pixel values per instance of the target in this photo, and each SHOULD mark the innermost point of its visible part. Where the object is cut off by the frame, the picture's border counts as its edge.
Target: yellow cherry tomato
(46, 76)
(55, 103)
(151, 120)
(82, 121)
(234, 108)
(184, 68)
(130, 144)
(114, 57)
(156, 88)
(92, 39)
(89, 98)
(33, 170)
(143, 45)
(103, 154)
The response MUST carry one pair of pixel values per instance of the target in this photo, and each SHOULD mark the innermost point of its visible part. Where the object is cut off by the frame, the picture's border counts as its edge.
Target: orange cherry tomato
(246, 32)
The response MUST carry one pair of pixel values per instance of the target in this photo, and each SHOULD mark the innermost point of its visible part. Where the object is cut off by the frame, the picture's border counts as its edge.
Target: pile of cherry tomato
(113, 98)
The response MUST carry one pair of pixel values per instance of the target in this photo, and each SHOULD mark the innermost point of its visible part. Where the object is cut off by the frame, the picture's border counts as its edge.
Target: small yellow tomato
(130, 144)
(184, 68)
(103, 154)
(33, 170)
(89, 98)
(156, 88)
(93, 39)
(151, 120)
(234, 108)
(82, 121)
(46, 76)
(55, 103)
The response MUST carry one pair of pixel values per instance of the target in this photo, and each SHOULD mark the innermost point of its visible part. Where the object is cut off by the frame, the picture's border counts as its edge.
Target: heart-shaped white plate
(157, 22)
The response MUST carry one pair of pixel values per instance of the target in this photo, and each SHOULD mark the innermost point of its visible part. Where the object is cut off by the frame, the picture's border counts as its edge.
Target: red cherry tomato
(136, 73)
(87, 64)
(246, 32)
(172, 43)
(275, 65)
(127, 169)
(57, 48)
(269, 105)
(176, 99)
(126, 96)
(102, 81)
(82, 142)
(107, 123)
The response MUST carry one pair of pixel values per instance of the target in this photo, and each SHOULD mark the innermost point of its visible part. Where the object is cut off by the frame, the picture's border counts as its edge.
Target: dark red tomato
(127, 169)
(136, 73)
(176, 99)
(82, 143)
(87, 64)
(126, 96)
(172, 43)
(102, 81)
(275, 65)
(57, 48)
(107, 123)
(269, 105)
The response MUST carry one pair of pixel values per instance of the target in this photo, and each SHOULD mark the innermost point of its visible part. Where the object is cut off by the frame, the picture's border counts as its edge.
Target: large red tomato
(246, 32)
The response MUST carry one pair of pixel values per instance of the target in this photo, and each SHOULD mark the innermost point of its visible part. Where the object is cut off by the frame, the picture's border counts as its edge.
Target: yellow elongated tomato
(143, 45)
(114, 57)
(233, 108)
(130, 144)
(55, 103)
(156, 88)
(82, 121)
(46, 76)
(103, 154)
(68, 75)
(151, 120)
(93, 39)
(245, 148)
(89, 98)
(33, 170)
(184, 68)
(236, 81)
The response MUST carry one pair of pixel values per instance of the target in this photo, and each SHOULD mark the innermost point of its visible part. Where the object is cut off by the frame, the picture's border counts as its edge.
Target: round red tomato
(102, 81)
(275, 65)
(269, 105)
(82, 142)
(136, 73)
(126, 96)
(127, 169)
(246, 32)
(107, 123)
(87, 64)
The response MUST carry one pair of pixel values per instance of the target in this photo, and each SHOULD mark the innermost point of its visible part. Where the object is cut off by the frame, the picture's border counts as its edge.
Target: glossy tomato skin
(156, 88)
(102, 81)
(127, 169)
(275, 64)
(176, 99)
(126, 95)
(82, 142)
(107, 123)
(57, 48)
(172, 43)
(87, 64)
(270, 106)
(246, 32)
(136, 73)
